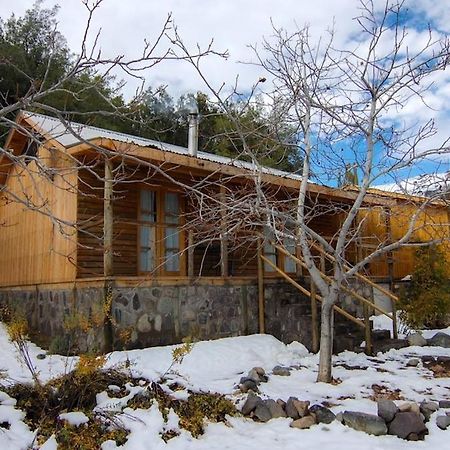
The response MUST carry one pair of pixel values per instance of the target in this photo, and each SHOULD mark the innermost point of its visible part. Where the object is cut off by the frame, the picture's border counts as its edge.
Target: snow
(74, 418)
(425, 184)
(218, 366)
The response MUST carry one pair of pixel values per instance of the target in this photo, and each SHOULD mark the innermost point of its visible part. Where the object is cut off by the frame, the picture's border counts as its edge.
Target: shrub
(425, 303)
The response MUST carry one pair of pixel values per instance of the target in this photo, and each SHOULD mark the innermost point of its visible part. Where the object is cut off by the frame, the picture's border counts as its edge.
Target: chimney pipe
(193, 133)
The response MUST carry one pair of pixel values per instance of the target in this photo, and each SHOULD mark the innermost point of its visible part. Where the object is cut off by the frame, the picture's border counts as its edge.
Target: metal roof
(67, 138)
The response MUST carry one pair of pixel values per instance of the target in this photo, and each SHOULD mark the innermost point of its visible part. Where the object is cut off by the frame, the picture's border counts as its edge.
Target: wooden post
(390, 264)
(368, 331)
(314, 319)
(108, 263)
(108, 221)
(223, 235)
(261, 318)
(190, 258)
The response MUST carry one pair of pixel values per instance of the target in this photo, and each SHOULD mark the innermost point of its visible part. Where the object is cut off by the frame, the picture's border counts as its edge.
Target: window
(160, 237)
(270, 252)
(290, 265)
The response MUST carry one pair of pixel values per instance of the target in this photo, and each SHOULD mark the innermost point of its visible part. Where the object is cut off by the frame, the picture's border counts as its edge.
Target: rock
(143, 324)
(276, 410)
(413, 362)
(248, 385)
(282, 403)
(405, 423)
(323, 415)
(368, 423)
(281, 371)
(416, 339)
(391, 344)
(250, 404)
(41, 356)
(444, 360)
(387, 409)
(443, 422)
(256, 374)
(380, 335)
(304, 422)
(428, 359)
(428, 408)
(412, 437)
(262, 412)
(290, 408)
(440, 340)
(444, 403)
(409, 407)
(301, 407)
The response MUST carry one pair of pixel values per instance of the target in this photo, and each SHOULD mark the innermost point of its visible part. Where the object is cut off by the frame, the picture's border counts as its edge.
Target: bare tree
(345, 106)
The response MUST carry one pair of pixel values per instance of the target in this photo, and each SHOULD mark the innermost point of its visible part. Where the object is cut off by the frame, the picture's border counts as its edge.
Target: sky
(234, 26)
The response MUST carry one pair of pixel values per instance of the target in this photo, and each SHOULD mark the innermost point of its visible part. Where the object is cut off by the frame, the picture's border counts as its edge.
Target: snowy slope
(218, 365)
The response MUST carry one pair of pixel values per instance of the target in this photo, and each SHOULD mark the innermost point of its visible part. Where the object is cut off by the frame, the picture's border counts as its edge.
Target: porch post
(108, 267)
(261, 312)
(390, 264)
(223, 235)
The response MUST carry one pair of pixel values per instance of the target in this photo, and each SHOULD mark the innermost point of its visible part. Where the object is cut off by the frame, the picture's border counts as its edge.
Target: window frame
(161, 225)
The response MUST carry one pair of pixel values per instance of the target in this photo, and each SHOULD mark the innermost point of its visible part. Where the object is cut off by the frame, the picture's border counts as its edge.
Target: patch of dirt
(383, 392)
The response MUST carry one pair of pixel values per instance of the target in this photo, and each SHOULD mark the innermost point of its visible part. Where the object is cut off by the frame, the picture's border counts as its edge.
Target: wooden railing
(313, 296)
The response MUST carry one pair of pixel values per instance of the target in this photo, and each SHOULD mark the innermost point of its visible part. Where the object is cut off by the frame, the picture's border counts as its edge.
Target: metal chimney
(193, 132)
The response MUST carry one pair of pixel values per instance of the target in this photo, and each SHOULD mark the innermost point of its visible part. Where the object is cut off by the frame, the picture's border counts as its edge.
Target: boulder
(262, 412)
(380, 335)
(390, 344)
(440, 340)
(444, 403)
(368, 423)
(304, 422)
(276, 410)
(409, 407)
(413, 362)
(405, 423)
(443, 422)
(290, 408)
(257, 374)
(301, 407)
(416, 339)
(323, 415)
(387, 409)
(428, 408)
(250, 404)
(248, 385)
(281, 371)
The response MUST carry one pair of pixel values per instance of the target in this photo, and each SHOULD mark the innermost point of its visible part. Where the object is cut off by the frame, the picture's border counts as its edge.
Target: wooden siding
(33, 247)
(432, 223)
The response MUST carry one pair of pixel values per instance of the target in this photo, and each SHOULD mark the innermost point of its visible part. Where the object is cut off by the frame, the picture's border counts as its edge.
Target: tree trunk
(326, 337)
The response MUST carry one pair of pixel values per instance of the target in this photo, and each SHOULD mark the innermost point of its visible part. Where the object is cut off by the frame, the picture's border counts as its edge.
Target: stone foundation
(162, 315)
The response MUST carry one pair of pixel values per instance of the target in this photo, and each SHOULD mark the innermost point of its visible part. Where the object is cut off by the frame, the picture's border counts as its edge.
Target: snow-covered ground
(217, 366)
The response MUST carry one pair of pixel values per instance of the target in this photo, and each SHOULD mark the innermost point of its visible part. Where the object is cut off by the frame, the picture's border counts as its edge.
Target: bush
(425, 303)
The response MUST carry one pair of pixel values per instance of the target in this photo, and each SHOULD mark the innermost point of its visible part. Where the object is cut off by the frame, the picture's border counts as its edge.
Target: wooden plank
(261, 309)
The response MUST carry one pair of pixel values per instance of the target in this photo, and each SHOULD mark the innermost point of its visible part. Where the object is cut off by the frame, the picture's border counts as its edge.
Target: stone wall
(162, 315)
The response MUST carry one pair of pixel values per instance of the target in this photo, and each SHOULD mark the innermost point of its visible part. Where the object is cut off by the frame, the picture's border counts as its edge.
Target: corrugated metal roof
(64, 136)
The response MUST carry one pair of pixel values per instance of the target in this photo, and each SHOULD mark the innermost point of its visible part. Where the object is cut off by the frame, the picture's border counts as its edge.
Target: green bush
(425, 303)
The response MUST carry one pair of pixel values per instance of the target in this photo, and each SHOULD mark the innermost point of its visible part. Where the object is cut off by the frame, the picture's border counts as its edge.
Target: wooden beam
(223, 235)
(314, 319)
(108, 269)
(261, 312)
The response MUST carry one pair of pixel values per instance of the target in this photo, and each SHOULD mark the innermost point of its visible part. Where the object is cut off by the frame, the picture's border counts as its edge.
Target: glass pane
(267, 267)
(289, 264)
(148, 206)
(146, 260)
(172, 262)
(172, 239)
(172, 207)
(147, 236)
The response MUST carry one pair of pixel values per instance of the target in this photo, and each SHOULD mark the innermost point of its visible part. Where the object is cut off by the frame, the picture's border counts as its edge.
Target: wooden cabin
(92, 217)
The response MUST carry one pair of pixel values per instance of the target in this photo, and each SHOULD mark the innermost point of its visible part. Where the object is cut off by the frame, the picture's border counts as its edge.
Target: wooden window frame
(161, 225)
